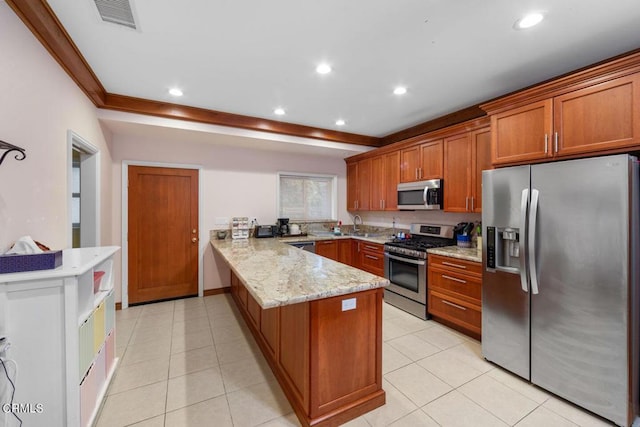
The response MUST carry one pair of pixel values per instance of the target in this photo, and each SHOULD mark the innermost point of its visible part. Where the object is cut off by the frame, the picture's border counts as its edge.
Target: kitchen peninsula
(318, 322)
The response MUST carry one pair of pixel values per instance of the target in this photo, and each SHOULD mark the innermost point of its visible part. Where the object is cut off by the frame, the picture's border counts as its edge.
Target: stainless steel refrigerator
(560, 279)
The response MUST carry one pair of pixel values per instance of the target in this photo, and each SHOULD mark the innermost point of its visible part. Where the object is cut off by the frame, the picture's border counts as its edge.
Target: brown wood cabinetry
(421, 162)
(344, 251)
(465, 157)
(601, 117)
(337, 250)
(330, 373)
(385, 176)
(358, 185)
(455, 293)
(370, 257)
(327, 248)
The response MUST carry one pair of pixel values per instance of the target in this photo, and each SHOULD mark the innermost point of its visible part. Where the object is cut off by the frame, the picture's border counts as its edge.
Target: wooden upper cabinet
(358, 185)
(465, 157)
(391, 179)
(377, 183)
(431, 160)
(522, 134)
(422, 162)
(352, 186)
(409, 161)
(385, 176)
(457, 173)
(597, 118)
(480, 161)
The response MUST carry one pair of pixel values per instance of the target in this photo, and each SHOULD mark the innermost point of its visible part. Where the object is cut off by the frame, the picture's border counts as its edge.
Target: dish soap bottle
(336, 229)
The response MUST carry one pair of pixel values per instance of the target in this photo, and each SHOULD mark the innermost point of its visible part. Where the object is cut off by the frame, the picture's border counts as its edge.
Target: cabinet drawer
(371, 261)
(467, 286)
(455, 264)
(457, 311)
(366, 246)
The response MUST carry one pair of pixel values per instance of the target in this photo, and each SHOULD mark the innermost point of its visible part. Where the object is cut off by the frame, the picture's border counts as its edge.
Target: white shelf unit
(240, 227)
(62, 334)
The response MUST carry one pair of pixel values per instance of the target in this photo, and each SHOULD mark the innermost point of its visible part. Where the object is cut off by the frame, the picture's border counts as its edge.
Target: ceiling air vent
(116, 11)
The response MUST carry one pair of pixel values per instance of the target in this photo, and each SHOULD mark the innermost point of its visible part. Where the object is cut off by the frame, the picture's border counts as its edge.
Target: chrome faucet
(355, 225)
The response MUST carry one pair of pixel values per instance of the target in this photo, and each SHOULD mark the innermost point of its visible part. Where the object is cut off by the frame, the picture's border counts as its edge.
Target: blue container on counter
(464, 241)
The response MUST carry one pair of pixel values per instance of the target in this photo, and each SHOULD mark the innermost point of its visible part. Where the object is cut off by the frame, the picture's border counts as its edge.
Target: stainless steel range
(405, 265)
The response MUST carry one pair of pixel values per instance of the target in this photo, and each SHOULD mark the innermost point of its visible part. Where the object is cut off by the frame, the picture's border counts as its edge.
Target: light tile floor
(193, 362)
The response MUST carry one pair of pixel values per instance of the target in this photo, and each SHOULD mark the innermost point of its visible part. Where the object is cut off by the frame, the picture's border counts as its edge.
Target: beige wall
(39, 103)
(235, 182)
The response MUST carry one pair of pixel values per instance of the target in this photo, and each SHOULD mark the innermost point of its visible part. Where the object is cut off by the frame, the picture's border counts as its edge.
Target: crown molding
(38, 16)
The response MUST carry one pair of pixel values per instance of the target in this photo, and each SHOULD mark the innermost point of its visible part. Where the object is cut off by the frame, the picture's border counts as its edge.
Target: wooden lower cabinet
(344, 251)
(338, 250)
(327, 248)
(330, 373)
(455, 293)
(371, 257)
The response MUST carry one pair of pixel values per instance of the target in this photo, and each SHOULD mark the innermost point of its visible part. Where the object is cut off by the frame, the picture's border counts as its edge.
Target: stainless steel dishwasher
(308, 246)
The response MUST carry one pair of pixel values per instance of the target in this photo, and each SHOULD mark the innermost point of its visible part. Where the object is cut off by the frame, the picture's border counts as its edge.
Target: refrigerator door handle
(523, 228)
(532, 240)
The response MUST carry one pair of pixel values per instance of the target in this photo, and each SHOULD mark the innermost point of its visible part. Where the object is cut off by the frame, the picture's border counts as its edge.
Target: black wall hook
(9, 148)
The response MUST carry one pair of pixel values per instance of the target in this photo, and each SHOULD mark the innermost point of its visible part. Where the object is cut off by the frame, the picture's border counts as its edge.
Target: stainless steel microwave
(420, 195)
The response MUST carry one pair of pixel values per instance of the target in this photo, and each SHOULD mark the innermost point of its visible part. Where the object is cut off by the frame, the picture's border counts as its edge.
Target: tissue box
(16, 263)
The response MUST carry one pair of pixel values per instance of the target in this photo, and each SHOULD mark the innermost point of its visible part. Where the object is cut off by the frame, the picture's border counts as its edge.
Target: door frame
(125, 223)
(90, 203)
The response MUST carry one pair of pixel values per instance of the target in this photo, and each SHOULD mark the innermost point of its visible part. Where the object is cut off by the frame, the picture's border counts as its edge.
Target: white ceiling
(250, 56)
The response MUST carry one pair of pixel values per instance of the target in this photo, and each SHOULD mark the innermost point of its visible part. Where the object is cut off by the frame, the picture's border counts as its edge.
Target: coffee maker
(283, 226)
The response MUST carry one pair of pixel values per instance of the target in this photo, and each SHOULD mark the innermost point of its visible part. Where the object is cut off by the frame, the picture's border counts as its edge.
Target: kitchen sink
(351, 234)
(362, 234)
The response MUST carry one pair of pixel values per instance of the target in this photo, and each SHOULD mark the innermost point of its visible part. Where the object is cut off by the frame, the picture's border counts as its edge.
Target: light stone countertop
(276, 273)
(469, 254)
(314, 238)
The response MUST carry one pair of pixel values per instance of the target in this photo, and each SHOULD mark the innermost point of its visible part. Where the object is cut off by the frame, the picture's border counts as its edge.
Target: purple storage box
(16, 263)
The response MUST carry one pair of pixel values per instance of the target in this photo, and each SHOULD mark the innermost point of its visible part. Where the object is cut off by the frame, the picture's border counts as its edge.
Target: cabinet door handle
(459, 307)
(420, 169)
(546, 143)
(555, 142)
(466, 203)
(472, 204)
(450, 264)
(455, 279)
(372, 257)
(371, 247)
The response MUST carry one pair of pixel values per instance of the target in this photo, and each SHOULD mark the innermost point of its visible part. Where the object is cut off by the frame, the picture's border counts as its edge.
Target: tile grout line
(224, 385)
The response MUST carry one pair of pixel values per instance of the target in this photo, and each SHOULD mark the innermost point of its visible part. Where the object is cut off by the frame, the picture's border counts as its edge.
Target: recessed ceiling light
(175, 91)
(528, 21)
(279, 111)
(323, 69)
(340, 122)
(400, 90)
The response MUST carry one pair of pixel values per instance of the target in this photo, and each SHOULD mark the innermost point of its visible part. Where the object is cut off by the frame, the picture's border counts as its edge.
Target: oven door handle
(407, 260)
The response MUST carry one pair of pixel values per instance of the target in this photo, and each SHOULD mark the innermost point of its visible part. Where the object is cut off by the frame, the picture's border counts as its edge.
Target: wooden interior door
(163, 233)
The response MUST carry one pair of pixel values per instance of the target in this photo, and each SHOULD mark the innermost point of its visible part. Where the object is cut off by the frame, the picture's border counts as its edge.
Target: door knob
(194, 239)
